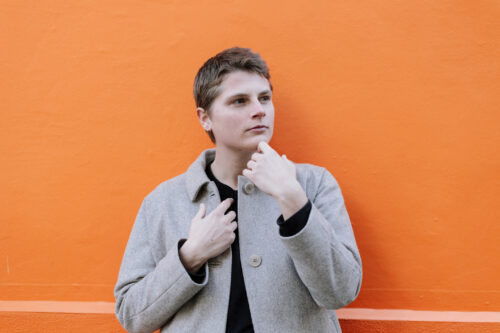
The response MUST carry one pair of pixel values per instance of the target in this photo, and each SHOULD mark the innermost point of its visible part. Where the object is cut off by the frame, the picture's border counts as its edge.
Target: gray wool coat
(292, 283)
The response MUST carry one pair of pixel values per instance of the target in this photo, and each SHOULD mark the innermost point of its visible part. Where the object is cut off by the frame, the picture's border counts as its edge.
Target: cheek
(234, 122)
(270, 109)
(270, 114)
(230, 124)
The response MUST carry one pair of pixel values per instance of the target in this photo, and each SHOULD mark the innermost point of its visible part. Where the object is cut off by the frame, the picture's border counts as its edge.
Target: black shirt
(239, 318)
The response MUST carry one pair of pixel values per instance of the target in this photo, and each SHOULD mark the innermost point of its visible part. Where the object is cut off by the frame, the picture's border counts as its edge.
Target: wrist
(291, 198)
(190, 257)
(289, 191)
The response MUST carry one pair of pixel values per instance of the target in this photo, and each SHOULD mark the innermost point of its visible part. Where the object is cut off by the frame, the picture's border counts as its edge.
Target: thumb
(201, 212)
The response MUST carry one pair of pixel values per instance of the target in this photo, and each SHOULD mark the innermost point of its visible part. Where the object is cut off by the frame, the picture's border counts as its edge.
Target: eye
(239, 101)
(265, 98)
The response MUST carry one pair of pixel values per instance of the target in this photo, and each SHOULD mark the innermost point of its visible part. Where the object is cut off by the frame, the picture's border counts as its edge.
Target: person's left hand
(270, 172)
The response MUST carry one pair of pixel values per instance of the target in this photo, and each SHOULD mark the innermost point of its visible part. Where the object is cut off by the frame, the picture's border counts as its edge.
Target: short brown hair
(213, 71)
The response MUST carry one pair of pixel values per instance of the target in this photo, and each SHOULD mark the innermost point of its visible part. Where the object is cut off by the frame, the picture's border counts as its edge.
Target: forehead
(243, 82)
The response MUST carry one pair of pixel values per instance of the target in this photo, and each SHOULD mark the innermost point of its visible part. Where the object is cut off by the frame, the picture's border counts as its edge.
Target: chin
(260, 137)
(250, 146)
(257, 140)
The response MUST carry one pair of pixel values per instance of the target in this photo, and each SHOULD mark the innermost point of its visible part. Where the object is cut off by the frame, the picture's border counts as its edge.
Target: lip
(258, 127)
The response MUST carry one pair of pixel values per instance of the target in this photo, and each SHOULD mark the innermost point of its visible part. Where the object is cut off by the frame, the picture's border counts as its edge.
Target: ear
(204, 119)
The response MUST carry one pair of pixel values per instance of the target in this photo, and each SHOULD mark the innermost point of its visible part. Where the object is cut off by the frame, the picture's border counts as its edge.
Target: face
(244, 101)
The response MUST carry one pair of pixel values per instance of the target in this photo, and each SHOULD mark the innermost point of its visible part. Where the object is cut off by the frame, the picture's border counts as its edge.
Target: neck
(228, 164)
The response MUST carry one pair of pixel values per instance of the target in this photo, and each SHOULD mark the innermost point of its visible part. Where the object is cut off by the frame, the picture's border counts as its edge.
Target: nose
(258, 110)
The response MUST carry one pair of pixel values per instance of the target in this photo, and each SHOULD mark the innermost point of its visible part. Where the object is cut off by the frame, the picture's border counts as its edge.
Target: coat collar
(196, 176)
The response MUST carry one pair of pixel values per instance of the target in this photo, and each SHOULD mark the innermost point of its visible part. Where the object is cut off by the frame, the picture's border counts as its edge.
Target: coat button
(248, 188)
(255, 260)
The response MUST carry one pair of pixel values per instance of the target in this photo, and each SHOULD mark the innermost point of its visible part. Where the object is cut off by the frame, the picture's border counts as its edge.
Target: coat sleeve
(147, 293)
(324, 252)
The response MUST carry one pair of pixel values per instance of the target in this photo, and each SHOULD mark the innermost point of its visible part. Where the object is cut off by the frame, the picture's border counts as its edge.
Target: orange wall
(101, 323)
(399, 100)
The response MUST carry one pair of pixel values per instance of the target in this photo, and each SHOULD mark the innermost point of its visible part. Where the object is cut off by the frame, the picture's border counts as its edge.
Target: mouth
(258, 127)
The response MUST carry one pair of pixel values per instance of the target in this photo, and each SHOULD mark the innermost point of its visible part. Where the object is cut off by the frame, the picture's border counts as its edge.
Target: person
(245, 240)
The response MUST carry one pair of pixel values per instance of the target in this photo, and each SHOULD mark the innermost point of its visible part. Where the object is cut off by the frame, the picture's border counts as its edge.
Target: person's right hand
(209, 236)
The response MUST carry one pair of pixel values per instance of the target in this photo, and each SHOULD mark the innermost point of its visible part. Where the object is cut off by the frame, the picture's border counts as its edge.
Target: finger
(234, 225)
(251, 164)
(223, 206)
(259, 147)
(247, 173)
(265, 147)
(201, 212)
(256, 156)
(233, 237)
(230, 215)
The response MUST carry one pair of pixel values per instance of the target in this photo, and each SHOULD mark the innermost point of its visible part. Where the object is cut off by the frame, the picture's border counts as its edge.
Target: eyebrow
(265, 92)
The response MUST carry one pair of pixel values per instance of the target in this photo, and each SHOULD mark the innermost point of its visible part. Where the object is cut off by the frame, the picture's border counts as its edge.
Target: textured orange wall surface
(374, 326)
(12, 322)
(399, 100)
(100, 323)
